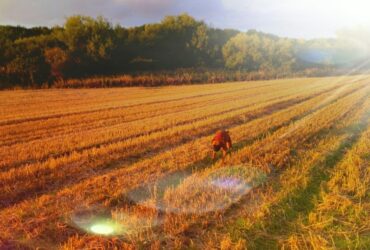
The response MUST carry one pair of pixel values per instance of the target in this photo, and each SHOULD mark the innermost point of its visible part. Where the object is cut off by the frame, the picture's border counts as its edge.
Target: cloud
(125, 12)
(297, 18)
(47, 12)
(146, 8)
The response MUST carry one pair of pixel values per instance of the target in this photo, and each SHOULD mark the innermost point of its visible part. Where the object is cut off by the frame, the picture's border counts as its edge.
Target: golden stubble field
(130, 168)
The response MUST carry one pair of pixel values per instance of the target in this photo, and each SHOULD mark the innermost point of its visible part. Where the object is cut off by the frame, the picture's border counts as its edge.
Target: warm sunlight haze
(184, 124)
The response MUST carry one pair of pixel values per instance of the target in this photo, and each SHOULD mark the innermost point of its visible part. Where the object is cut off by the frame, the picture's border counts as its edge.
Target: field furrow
(15, 184)
(40, 150)
(117, 104)
(141, 157)
(269, 214)
(82, 122)
(192, 195)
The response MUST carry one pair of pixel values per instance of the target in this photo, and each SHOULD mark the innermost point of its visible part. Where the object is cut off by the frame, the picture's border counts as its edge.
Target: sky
(288, 18)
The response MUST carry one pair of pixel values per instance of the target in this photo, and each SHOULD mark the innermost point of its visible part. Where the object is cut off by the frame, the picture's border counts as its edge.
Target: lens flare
(226, 183)
(122, 221)
(183, 193)
(103, 229)
(96, 220)
(198, 193)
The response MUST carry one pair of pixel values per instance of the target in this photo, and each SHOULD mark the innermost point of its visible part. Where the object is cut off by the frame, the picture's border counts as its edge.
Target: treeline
(179, 49)
(179, 77)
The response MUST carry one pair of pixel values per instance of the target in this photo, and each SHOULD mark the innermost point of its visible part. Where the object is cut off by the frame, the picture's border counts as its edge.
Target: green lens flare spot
(103, 229)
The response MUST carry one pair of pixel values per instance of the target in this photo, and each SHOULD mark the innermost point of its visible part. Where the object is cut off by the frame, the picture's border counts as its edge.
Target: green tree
(28, 66)
(57, 59)
(85, 36)
(243, 51)
(171, 43)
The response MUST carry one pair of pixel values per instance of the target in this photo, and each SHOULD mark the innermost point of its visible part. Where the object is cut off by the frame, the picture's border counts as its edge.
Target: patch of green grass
(298, 203)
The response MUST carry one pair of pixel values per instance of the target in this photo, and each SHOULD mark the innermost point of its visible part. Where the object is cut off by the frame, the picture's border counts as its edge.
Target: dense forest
(91, 52)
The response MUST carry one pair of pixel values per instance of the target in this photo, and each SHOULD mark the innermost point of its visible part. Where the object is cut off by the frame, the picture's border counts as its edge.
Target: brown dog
(221, 141)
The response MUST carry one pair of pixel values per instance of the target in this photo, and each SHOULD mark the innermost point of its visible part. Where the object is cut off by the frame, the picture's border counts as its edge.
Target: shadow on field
(72, 177)
(301, 201)
(175, 178)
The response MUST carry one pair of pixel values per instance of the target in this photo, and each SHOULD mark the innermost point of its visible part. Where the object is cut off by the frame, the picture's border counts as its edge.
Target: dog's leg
(224, 154)
(213, 155)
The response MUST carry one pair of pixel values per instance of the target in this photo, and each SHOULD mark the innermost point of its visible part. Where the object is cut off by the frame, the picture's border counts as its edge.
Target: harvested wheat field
(130, 168)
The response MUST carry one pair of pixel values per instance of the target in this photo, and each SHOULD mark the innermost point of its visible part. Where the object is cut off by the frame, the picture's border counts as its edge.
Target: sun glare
(102, 229)
(352, 13)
